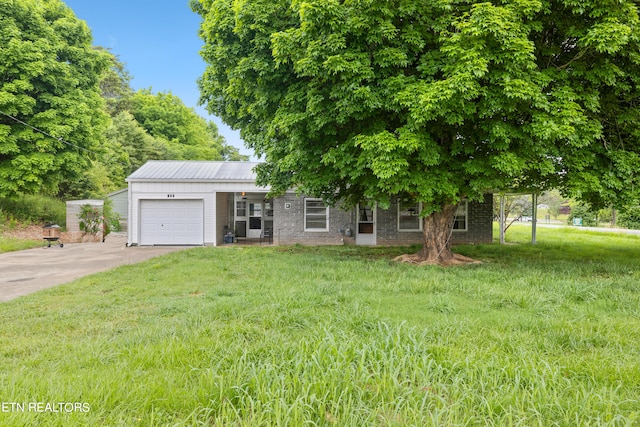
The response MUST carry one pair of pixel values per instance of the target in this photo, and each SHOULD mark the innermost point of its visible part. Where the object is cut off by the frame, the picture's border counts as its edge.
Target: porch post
(534, 217)
(502, 219)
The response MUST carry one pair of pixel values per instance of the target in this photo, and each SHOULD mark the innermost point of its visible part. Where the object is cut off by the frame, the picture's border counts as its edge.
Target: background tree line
(71, 126)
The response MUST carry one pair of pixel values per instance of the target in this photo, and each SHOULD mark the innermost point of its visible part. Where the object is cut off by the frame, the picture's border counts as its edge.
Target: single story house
(201, 202)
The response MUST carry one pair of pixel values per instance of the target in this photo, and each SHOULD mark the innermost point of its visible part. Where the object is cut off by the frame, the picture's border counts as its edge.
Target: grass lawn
(9, 244)
(535, 335)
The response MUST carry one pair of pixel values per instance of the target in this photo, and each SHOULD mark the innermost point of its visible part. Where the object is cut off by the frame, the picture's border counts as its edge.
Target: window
(316, 215)
(409, 216)
(241, 208)
(460, 221)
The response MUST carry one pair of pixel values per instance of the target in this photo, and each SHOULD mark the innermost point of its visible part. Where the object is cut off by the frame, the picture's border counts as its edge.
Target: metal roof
(189, 170)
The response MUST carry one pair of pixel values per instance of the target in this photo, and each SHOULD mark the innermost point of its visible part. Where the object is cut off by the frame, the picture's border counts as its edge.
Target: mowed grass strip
(535, 335)
(9, 244)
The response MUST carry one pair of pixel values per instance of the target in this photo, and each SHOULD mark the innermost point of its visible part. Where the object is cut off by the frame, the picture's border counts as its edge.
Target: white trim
(407, 230)
(367, 239)
(466, 217)
(316, 230)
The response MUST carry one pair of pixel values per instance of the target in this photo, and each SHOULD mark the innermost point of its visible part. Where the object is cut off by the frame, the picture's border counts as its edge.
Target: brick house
(210, 203)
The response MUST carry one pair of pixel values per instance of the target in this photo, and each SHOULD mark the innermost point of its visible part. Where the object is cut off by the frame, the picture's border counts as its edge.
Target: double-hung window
(460, 221)
(409, 216)
(316, 215)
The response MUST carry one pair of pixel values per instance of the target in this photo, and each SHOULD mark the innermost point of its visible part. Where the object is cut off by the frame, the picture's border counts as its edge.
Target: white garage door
(171, 222)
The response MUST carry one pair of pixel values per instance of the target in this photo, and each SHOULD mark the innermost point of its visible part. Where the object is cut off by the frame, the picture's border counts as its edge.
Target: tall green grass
(535, 335)
(37, 209)
(23, 210)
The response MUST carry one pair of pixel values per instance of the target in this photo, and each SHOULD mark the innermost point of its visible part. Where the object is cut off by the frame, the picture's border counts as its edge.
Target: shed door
(171, 222)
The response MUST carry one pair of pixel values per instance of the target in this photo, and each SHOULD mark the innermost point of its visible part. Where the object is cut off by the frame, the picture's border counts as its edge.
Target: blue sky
(158, 41)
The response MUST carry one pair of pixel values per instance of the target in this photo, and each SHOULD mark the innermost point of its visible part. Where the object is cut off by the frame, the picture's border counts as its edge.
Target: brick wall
(480, 226)
(289, 225)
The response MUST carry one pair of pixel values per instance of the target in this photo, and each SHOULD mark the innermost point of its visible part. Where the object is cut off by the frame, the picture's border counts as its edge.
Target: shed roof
(189, 170)
(92, 202)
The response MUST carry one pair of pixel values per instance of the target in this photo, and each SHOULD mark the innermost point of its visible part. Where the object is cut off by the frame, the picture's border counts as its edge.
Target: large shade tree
(433, 100)
(52, 118)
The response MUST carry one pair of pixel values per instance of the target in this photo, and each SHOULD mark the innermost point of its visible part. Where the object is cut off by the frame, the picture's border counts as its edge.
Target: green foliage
(111, 219)
(54, 80)
(115, 85)
(583, 211)
(90, 219)
(630, 218)
(11, 244)
(130, 146)
(437, 100)
(37, 209)
(538, 335)
(184, 134)
(96, 182)
(554, 200)
(49, 77)
(94, 220)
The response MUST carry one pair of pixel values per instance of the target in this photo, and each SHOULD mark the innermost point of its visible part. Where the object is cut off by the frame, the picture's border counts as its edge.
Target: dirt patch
(34, 232)
(457, 259)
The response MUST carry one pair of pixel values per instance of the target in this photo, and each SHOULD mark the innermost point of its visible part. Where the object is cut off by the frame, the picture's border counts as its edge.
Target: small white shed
(73, 210)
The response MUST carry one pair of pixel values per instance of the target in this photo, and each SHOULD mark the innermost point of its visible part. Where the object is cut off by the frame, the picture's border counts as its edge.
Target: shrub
(111, 218)
(90, 219)
(580, 210)
(94, 220)
(630, 218)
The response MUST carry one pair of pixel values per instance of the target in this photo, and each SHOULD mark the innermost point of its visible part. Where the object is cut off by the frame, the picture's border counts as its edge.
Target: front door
(366, 228)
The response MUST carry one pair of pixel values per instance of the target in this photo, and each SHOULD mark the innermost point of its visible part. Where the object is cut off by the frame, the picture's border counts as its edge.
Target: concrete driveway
(24, 272)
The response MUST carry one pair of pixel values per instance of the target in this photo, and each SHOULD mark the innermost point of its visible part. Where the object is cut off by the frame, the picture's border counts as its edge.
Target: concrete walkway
(24, 272)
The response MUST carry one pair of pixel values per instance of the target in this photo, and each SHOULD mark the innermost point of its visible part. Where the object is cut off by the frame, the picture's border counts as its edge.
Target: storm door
(366, 228)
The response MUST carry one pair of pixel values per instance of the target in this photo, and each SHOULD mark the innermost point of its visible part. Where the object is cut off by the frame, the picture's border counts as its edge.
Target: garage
(183, 202)
(171, 222)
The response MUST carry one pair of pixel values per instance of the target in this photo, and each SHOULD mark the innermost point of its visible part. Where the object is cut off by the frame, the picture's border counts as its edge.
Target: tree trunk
(437, 230)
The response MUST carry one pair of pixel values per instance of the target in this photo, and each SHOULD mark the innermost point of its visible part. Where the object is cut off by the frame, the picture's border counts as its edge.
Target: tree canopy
(49, 77)
(187, 135)
(433, 100)
(71, 126)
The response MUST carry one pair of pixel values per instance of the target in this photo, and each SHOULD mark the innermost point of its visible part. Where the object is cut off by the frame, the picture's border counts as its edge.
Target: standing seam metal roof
(188, 170)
